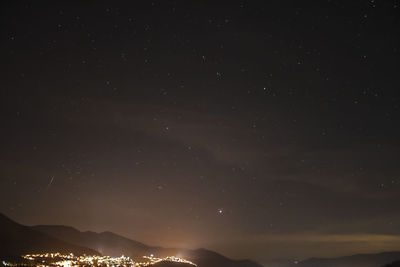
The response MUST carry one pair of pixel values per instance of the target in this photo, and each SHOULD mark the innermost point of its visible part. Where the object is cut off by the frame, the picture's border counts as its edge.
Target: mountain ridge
(113, 244)
(17, 239)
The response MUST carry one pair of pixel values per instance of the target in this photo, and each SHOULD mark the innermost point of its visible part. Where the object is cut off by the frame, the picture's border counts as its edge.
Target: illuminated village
(58, 259)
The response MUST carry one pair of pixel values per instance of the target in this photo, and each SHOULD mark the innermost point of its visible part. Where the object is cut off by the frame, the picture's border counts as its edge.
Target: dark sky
(260, 129)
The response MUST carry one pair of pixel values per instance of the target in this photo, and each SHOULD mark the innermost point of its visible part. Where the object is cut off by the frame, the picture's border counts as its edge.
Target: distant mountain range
(106, 243)
(112, 244)
(393, 264)
(17, 239)
(383, 259)
(359, 260)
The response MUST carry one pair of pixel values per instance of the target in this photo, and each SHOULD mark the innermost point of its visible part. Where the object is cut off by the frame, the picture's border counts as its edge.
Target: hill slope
(114, 245)
(207, 258)
(106, 243)
(17, 239)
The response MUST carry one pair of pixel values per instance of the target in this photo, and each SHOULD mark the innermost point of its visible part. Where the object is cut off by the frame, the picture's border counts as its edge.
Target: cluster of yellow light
(154, 260)
(69, 260)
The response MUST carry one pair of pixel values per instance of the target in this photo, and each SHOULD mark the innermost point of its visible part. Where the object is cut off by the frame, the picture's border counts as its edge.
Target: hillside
(17, 239)
(207, 258)
(114, 245)
(106, 243)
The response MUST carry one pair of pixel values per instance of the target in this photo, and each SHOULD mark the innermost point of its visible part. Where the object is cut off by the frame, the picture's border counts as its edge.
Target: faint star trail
(51, 181)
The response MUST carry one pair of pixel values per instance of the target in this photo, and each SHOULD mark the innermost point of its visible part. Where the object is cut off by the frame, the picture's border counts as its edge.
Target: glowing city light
(70, 260)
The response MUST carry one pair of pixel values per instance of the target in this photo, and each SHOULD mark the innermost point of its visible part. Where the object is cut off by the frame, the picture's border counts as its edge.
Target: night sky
(259, 129)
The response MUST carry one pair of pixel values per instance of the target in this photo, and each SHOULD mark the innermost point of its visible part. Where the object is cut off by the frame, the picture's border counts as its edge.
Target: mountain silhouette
(17, 239)
(106, 243)
(112, 244)
(358, 260)
(393, 264)
(207, 258)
